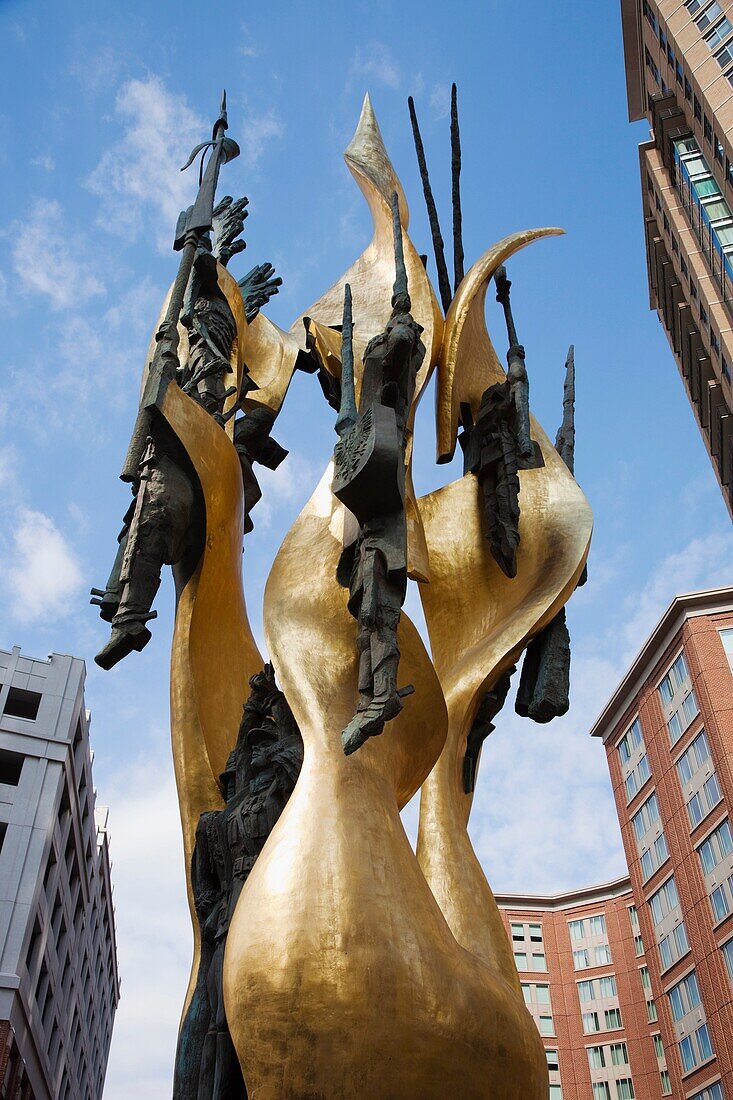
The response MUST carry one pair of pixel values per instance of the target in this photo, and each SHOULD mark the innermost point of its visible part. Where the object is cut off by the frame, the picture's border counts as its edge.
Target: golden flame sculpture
(354, 968)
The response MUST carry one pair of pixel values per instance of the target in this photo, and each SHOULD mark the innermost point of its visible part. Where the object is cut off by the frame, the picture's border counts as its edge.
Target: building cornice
(583, 895)
(631, 28)
(709, 602)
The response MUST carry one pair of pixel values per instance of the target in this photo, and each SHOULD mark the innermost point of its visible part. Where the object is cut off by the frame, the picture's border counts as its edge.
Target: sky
(100, 106)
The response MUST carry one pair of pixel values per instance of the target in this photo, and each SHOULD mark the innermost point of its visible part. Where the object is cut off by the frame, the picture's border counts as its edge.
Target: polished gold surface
(478, 620)
(467, 360)
(213, 652)
(270, 355)
(342, 977)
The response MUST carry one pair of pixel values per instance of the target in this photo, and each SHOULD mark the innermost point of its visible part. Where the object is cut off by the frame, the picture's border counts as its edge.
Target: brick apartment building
(59, 985)
(586, 982)
(631, 982)
(668, 734)
(679, 76)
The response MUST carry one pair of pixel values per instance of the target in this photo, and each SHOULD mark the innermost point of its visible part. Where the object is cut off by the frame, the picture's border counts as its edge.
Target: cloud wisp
(138, 177)
(49, 260)
(41, 573)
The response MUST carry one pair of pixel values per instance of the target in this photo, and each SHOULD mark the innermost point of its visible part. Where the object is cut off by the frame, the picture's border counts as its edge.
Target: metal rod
(503, 286)
(399, 290)
(455, 148)
(438, 246)
(565, 441)
(347, 412)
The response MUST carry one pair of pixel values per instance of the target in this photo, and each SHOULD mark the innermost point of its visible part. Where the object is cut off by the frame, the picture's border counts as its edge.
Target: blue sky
(101, 104)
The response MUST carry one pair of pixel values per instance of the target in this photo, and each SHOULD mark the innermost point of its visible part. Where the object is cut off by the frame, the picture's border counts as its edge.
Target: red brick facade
(556, 916)
(692, 628)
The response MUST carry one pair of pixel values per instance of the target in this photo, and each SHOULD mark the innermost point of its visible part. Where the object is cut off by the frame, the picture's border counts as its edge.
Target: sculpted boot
(384, 705)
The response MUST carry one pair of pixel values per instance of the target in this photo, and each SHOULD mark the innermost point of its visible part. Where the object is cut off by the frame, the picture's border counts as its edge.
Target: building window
(638, 945)
(601, 1090)
(716, 848)
(645, 979)
(11, 766)
(652, 19)
(724, 367)
(613, 1018)
(725, 56)
(553, 1063)
(597, 925)
(720, 31)
(662, 38)
(586, 992)
(581, 960)
(711, 13)
(555, 1092)
(711, 1092)
(22, 704)
(633, 917)
(651, 65)
(707, 129)
(664, 900)
(673, 946)
(703, 314)
(658, 1048)
(718, 148)
(651, 1011)
(678, 72)
(703, 801)
(636, 778)
(603, 955)
(688, 89)
(654, 857)
(726, 637)
(630, 742)
(590, 1023)
(619, 1054)
(520, 960)
(547, 1026)
(678, 698)
(625, 1089)
(665, 1082)
(684, 996)
(714, 342)
(697, 109)
(575, 927)
(695, 757)
(696, 1048)
(596, 1058)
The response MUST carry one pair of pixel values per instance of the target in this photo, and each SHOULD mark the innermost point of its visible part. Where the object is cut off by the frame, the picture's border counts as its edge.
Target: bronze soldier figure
(369, 478)
(259, 777)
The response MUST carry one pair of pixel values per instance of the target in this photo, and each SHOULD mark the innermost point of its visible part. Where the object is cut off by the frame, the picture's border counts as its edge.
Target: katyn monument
(331, 960)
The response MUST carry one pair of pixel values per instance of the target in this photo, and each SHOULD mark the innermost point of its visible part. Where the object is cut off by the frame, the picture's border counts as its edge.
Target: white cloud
(291, 484)
(440, 101)
(247, 47)
(153, 928)
(256, 131)
(48, 259)
(706, 562)
(141, 172)
(46, 162)
(376, 62)
(544, 817)
(41, 572)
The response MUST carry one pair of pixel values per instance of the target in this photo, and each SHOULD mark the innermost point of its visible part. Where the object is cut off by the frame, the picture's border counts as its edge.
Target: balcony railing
(700, 196)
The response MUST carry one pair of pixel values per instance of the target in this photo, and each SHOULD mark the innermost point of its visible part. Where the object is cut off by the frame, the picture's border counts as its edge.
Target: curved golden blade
(479, 620)
(341, 977)
(371, 277)
(213, 651)
(271, 355)
(467, 360)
